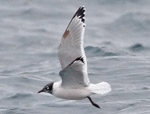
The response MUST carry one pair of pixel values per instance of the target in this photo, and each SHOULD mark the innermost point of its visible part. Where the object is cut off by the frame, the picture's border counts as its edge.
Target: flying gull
(75, 84)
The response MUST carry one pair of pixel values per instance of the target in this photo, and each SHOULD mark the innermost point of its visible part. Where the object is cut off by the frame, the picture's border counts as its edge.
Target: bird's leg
(94, 104)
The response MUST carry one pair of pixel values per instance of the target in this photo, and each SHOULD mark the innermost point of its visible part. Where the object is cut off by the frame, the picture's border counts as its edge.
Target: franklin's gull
(74, 84)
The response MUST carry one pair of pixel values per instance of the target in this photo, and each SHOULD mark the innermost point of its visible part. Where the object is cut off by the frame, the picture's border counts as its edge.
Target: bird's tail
(100, 88)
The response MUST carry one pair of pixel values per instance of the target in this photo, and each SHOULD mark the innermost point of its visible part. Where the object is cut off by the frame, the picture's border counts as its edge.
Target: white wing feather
(71, 47)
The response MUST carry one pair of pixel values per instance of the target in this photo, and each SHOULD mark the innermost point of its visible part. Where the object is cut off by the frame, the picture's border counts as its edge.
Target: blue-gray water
(117, 45)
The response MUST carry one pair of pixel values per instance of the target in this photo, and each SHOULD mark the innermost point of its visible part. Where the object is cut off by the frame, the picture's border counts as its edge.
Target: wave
(93, 51)
(131, 22)
(138, 47)
(19, 96)
(97, 51)
(129, 28)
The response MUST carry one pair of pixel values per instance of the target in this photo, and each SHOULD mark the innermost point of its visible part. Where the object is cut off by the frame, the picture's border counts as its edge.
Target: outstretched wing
(71, 45)
(71, 48)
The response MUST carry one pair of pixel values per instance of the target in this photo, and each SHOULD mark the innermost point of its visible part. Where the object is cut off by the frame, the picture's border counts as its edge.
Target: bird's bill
(41, 91)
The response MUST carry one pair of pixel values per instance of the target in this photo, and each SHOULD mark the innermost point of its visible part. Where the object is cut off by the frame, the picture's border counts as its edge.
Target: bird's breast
(70, 93)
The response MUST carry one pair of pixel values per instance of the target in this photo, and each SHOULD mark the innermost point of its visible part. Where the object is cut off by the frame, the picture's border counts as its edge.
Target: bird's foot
(94, 104)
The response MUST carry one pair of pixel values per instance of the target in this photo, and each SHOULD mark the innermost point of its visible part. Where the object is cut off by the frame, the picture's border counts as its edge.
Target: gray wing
(75, 75)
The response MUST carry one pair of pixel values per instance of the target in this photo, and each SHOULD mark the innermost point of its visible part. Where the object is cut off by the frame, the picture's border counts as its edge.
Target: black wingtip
(81, 13)
(77, 59)
(80, 59)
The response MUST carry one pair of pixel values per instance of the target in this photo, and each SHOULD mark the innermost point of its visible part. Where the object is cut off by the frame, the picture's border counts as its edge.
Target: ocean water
(117, 45)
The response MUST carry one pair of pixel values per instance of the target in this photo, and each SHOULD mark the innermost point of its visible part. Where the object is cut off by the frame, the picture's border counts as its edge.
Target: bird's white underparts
(75, 84)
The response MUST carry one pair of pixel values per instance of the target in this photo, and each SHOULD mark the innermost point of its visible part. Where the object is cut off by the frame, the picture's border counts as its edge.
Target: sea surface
(117, 45)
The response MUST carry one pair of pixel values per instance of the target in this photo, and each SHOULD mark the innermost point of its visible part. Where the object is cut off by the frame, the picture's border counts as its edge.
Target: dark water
(117, 45)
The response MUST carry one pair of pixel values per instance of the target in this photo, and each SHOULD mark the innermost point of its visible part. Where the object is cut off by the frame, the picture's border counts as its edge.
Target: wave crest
(97, 51)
